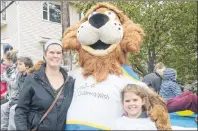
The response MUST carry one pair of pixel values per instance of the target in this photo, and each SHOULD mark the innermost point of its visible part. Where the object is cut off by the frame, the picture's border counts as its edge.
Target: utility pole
(65, 15)
(66, 24)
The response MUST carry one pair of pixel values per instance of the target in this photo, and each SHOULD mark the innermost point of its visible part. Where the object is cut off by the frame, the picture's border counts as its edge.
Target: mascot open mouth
(100, 33)
(99, 45)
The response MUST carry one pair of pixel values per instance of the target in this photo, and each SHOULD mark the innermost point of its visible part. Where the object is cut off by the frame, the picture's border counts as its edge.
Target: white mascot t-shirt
(95, 106)
(125, 123)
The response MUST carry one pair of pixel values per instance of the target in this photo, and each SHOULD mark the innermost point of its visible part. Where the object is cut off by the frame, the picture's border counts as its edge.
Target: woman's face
(54, 55)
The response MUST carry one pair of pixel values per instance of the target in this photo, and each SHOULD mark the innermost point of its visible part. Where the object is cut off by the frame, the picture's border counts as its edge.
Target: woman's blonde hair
(159, 65)
(139, 91)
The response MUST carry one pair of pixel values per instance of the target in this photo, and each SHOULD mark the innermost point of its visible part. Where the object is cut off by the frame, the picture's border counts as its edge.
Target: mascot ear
(133, 35)
(70, 41)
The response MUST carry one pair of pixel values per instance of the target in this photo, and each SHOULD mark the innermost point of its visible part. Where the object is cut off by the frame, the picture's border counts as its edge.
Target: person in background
(6, 48)
(135, 104)
(171, 92)
(154, 79)
(9, 59)
(10, 74)
(8, 108)
(40, 90)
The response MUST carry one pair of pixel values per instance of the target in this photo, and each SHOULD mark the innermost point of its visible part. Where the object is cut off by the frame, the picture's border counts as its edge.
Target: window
(3, 15)
(81, 15)
(51, 12)
(2, 47)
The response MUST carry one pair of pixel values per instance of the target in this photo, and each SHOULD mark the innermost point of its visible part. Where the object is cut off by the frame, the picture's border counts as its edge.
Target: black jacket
(36, 97)
(153, 80)
(18, 85)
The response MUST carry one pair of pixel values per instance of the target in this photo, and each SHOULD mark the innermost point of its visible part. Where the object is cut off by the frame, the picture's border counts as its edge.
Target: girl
(135, 104)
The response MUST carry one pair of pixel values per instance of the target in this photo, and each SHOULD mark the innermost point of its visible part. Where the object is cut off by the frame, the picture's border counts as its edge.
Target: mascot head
(102, 39)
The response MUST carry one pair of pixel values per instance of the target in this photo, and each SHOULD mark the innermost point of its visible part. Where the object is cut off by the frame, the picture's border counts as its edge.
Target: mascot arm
(36, 67)
(158, 111)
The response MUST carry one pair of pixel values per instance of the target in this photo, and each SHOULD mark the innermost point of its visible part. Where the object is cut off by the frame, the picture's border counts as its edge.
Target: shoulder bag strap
(51, 106)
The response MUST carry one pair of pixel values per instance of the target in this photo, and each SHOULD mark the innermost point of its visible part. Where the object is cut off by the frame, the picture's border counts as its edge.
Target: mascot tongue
(99, 45)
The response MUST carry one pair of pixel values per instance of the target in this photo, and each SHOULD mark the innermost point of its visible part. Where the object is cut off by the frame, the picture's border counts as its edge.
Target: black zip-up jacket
(36, 97)
(153, 80)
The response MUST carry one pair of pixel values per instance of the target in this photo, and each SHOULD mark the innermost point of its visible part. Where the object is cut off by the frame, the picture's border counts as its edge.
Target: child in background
(8, 108)
(136, 104)
(171, 92)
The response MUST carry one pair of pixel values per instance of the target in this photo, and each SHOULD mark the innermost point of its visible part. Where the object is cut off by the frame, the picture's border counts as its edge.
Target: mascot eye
(111, 15)
(91, 14)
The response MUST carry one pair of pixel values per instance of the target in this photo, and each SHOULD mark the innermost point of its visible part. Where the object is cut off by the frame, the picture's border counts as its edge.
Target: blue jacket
(169, 87)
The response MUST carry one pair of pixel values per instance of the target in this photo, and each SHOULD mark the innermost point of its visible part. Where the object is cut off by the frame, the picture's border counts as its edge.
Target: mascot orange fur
(102, 39)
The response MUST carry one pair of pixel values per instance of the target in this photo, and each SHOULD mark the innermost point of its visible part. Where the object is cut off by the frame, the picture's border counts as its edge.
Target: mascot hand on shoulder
(102, 39)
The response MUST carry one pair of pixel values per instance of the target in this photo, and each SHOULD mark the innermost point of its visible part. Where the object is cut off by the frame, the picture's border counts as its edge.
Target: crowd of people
(25, 98)
(164, 81)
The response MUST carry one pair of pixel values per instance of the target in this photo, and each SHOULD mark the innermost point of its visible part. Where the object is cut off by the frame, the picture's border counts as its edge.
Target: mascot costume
(102, 39)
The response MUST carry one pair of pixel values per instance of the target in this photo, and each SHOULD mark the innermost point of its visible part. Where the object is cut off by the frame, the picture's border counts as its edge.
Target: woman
(10, 75)
(39, 91)
(7, 72)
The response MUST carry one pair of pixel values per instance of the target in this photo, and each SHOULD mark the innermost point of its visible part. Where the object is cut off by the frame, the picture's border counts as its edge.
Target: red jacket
(3, 84)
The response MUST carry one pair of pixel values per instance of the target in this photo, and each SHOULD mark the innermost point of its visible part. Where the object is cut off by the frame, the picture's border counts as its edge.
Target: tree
(66, 24)
(65, 15)
(170, 29)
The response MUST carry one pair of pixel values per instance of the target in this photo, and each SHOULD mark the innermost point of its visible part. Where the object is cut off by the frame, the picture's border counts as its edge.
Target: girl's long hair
(139, 91)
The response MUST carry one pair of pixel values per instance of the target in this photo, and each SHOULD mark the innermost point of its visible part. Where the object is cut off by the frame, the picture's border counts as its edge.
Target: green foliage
(170, 29)
(82, 6)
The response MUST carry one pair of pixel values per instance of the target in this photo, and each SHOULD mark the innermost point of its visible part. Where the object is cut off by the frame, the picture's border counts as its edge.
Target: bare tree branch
(7, 6)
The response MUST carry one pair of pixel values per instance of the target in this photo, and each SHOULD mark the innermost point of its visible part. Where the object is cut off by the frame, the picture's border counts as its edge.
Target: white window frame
(4, 10)
(48, 13)
(81, 15)
(2, 45)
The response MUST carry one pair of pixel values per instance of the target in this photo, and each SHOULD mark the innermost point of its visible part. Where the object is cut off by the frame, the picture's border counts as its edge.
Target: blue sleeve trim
(130, 71)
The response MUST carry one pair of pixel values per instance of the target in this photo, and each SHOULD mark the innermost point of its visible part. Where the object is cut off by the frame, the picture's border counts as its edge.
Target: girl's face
(54, 56)
(133, 104)
(21, 67)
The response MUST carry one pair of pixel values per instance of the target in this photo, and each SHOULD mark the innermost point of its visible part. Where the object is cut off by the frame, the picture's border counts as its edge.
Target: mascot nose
(98, 20)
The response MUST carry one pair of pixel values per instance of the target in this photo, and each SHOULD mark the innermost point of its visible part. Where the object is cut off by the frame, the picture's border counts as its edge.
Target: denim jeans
(7, 117)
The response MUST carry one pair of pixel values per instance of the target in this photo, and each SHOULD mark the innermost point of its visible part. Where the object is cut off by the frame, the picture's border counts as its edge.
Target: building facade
(27, 25)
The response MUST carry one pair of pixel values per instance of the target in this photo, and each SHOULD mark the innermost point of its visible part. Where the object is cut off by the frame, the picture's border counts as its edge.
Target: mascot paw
(161, 126)
(161, 118)
(36, 67)
(154, 115)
